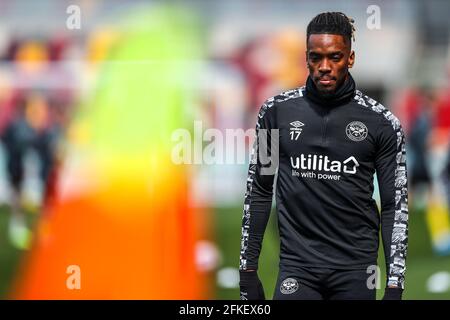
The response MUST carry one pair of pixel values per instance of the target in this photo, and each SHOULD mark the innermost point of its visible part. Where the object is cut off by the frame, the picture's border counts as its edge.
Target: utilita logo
(323, 163)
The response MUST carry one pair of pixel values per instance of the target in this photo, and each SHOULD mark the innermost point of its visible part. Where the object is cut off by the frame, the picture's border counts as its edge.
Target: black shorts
(305, 283)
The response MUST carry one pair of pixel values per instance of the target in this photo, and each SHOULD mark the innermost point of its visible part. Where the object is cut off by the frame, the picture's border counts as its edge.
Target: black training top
(329, 149)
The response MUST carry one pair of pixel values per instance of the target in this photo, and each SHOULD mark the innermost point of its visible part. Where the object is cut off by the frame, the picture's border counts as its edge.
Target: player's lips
(326, 81)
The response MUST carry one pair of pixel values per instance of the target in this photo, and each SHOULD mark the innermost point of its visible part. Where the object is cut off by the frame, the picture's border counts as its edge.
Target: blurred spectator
(29, 129)
(415, 109)
(33, 115)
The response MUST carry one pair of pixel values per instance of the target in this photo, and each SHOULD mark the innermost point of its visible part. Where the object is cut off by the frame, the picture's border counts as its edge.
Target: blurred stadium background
(87, 114)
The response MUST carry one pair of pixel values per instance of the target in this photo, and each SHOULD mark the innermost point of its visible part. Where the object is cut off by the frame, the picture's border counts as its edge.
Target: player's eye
(336, 57)
(314, 57)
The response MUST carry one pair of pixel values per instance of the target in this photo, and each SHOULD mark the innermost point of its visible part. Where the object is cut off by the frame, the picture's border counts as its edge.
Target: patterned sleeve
(392, 178)
(259, 190)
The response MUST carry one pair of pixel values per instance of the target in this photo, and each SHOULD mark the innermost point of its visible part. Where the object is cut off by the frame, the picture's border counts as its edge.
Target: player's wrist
(250, 285)
(248, 276)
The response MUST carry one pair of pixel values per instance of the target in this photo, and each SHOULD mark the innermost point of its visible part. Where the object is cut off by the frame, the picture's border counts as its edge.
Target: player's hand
(250, 286)
(393, 293)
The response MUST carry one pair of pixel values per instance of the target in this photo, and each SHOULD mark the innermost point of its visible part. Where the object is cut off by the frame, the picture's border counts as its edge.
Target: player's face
(328, 57)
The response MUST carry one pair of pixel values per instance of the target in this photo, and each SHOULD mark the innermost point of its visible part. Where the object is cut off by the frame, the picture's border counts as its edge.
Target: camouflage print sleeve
(259, 191)
(392, 178)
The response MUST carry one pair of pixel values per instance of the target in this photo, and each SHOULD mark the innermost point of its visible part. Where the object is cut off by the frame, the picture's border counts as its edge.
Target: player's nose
(324, 66)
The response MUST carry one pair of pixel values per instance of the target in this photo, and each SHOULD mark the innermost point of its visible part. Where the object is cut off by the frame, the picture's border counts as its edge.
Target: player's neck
(344, 93)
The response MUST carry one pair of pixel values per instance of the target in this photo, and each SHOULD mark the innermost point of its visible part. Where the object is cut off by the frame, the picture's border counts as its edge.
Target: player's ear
(351, 59)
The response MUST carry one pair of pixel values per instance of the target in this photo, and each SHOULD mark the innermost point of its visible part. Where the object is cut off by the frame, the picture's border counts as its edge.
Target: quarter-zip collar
(342, 95)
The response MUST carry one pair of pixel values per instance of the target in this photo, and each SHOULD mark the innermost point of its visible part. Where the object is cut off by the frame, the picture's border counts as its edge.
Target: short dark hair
(332, 23)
